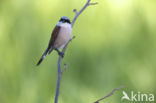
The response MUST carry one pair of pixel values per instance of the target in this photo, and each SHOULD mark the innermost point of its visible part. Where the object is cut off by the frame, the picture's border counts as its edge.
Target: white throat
(64, 24)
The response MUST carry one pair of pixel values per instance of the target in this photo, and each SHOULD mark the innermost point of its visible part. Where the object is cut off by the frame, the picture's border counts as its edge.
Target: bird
(60, 36)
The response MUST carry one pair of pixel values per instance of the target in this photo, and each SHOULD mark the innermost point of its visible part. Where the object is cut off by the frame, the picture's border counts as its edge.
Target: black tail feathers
(43, 56)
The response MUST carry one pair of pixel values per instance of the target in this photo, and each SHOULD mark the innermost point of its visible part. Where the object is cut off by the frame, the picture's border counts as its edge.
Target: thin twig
(60, 71)
(93, 3)
(110, 94)
(78, 13)
(64, 49)
(65, 67)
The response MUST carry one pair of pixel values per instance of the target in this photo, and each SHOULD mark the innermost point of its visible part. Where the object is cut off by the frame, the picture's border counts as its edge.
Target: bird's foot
(61, 54)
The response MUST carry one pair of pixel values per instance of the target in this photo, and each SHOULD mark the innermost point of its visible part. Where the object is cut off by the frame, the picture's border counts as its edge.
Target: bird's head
(65, 19)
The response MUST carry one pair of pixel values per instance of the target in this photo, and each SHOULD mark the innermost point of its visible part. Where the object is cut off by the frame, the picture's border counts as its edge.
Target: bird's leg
(60, 53)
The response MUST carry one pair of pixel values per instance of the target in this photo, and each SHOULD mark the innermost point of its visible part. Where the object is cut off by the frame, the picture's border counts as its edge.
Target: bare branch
(93, 3)
(60, 71)
(110, 94)
(65, 67)
(83, 8)
(64, 49)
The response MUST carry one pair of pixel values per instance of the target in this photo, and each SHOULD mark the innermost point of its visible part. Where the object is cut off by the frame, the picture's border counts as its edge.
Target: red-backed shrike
(59, 37)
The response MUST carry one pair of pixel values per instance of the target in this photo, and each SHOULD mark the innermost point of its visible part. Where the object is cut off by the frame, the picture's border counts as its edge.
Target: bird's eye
(61, 20)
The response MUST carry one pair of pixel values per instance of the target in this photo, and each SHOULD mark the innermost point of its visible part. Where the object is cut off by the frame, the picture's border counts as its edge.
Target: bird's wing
(54, 36)
(51, 43)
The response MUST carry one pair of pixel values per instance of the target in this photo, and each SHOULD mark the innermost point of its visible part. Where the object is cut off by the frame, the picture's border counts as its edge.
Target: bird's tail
(43, 56)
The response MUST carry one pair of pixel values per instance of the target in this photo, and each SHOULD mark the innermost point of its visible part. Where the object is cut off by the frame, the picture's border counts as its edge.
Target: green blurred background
(115, 45)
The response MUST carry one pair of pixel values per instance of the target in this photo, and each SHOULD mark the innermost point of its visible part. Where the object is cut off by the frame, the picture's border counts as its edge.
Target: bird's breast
(63, 36)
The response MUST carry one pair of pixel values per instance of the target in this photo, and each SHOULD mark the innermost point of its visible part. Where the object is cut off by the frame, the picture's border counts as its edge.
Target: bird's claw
(61, 54)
